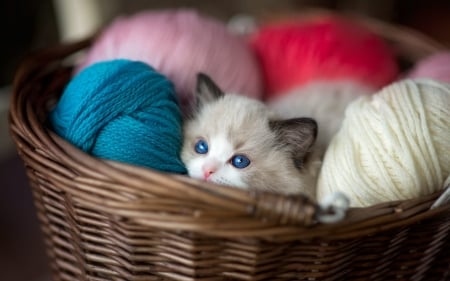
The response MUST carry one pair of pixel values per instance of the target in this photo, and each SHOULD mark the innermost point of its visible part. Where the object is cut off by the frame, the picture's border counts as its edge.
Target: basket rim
(136, 193)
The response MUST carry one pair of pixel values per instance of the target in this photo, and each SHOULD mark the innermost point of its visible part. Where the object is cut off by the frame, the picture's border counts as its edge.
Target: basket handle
(299, 209)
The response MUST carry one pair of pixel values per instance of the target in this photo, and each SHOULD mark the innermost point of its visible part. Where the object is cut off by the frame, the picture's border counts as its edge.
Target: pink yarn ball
(435, 67)
(180, 43)
(295, 52)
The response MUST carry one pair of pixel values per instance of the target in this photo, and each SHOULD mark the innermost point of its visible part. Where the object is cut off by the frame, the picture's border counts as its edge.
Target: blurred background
(31, 24)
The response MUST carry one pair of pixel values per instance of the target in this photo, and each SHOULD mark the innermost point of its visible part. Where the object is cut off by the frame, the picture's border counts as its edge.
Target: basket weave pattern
(104, 220)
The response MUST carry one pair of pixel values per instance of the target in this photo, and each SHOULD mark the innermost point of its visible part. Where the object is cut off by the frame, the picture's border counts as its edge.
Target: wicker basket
(104, 220)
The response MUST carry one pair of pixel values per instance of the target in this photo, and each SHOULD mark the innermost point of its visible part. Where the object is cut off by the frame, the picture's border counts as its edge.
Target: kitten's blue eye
(201, 147)
(240, 161)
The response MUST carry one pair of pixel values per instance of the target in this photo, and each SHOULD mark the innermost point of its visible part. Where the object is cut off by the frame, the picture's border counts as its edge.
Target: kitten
(323, 101)
(237, 141)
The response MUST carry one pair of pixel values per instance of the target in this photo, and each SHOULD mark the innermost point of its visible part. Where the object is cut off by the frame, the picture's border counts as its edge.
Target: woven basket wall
(104, 220)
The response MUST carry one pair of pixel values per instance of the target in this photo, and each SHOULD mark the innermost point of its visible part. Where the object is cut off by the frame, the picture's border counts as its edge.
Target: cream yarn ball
(393, 145)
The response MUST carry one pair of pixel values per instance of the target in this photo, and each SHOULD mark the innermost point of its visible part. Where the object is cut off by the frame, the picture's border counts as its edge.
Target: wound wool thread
(294, 52)
(122, 110)
(393, 145)
(179, 43)
(436, 66)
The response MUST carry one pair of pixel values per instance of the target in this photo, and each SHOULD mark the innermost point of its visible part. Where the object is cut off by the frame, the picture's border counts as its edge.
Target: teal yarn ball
(125, 111)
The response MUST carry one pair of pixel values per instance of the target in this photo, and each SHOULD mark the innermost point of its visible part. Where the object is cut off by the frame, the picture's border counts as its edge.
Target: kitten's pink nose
(207, 173)
(209, 169)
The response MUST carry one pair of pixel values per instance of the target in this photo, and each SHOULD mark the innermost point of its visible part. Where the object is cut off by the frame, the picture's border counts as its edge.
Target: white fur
(219, 154)
(324, 101)
(239, 125)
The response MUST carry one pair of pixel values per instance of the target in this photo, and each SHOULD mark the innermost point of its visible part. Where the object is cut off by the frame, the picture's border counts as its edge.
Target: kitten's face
(223, 144)
(234, 140)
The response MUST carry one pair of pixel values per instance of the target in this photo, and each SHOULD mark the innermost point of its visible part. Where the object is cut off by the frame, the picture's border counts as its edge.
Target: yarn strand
(393, 145)
(125, 111)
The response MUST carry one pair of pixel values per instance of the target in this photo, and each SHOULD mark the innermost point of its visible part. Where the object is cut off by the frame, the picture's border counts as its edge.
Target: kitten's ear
(298, 133)
(206, 90)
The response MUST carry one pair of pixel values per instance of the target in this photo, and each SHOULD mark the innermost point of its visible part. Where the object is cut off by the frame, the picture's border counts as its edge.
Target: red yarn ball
(293, 53)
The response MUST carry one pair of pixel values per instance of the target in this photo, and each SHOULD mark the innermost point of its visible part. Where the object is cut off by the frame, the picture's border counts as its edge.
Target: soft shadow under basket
(104, 220)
